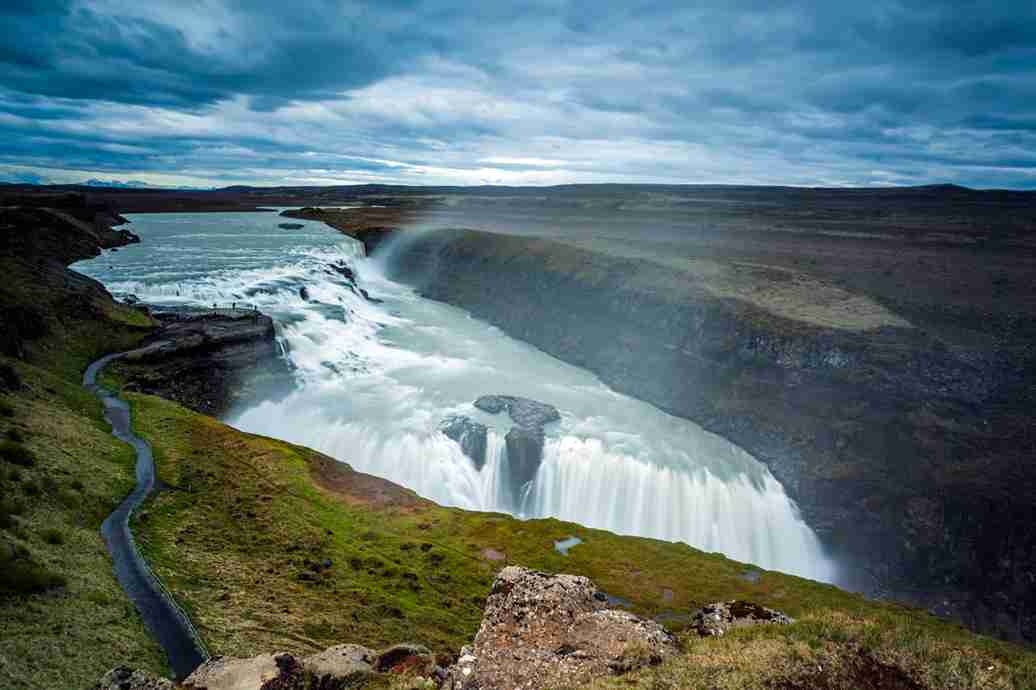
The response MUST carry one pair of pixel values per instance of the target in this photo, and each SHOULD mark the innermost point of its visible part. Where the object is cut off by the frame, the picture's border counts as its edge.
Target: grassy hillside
(65, 620)
(273, 546)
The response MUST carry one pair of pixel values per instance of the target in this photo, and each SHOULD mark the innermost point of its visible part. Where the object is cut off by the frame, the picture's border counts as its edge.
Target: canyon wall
(911, 457)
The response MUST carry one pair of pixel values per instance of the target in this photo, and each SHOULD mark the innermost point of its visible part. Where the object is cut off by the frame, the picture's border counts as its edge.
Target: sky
(207, 93)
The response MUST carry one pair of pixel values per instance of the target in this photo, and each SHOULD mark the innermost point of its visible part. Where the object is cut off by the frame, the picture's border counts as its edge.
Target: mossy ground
(242, 535)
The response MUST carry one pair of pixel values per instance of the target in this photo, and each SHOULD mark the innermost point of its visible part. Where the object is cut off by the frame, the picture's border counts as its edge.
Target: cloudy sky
(219, 92)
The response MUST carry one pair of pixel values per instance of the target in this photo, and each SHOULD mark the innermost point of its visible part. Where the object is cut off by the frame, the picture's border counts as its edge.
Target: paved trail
(166, 621)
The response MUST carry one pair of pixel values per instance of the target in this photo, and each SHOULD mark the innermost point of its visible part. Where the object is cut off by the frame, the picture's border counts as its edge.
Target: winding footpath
(168, 623)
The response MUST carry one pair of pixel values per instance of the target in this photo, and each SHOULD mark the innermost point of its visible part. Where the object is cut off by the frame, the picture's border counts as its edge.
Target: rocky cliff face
(908, 456)
(209, 361)
(40, 235)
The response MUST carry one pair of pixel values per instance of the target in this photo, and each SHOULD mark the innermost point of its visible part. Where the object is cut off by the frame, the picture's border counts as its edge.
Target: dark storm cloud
(275, 51)
(737, 91)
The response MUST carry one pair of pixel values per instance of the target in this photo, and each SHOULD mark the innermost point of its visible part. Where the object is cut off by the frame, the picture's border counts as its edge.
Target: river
(374, 380)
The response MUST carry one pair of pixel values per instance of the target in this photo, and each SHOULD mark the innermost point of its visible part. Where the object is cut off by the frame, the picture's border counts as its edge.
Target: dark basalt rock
(366, 295)
(525, 439)
(525, 453)
(469, 434)
(344, 270)
(523, 411)
(207, 362)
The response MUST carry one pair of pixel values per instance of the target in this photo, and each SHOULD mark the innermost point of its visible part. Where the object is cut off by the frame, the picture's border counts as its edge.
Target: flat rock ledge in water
(523, 411)
(541, 630)
(716, 619)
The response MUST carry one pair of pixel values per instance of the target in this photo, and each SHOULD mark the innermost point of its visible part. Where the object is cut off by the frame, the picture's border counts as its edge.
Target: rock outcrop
(345, 270)
(525, 439)
(66, 227)
(542, 630)
(469, 435)
(207, 361)
(336, 668)
(40, 235)
(523, 411)
(229, 673)
(342, 667)
(904, 453)
(716, 619)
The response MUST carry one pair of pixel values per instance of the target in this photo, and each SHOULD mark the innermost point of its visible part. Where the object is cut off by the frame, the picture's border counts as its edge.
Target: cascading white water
(375, 379)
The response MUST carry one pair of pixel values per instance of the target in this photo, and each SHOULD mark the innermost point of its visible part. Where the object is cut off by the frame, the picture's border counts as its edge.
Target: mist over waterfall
(378, 373)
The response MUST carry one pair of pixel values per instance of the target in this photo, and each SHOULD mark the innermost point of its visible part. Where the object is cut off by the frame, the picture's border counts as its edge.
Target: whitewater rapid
(376, 378)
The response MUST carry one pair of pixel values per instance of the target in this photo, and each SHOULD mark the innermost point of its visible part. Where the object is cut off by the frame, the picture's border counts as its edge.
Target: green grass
(64, 618)
(241, 537)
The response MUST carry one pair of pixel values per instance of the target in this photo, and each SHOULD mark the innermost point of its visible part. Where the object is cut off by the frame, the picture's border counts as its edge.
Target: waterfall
(376, 376)
(748, 518)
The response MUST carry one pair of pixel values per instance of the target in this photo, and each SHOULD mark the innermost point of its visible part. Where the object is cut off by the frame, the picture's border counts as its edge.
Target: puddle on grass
(564, 545)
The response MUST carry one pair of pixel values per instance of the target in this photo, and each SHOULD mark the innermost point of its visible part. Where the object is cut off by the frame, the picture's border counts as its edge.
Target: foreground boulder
(716, 619)
(336, 668)
(228, 673)
(542, 630)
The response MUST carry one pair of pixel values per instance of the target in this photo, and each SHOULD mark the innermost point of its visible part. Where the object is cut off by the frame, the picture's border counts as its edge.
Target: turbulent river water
(375, 379)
